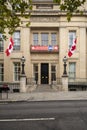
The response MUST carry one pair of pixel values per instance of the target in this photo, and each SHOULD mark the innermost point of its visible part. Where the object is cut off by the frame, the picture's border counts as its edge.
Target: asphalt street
(46, 115)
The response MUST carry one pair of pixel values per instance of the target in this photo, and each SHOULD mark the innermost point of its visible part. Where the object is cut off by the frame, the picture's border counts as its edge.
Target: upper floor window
(53, 38)
(44, 39)
(16, 71)
(72, 36)
(16, 40)
(1, 43)
(1, 72)
(35, 38)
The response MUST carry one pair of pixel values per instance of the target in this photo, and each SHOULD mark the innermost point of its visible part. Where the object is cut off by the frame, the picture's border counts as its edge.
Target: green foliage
(10, 13)
(70, 6)
(12, 10)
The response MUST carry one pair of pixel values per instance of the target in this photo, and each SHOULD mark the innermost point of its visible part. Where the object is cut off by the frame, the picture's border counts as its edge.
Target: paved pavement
(43, 96)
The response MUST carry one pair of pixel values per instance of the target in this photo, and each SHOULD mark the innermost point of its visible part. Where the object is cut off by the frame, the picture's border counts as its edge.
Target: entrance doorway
(44, 73)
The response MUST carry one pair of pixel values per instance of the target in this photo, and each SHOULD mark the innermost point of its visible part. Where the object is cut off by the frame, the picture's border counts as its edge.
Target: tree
(11, 12)
(70, 6)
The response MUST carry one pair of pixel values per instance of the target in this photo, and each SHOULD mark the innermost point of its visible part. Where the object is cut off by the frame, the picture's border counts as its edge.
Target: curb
(21, 101)
(47, 96)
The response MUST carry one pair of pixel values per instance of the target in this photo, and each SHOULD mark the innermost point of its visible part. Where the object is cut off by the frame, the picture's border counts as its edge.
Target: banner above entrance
(44, 48)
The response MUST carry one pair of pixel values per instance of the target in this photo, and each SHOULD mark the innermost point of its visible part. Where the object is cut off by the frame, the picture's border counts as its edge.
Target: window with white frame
(36, 72)
(35, 38)
(72, 70)
(44, 39)
(1, 72)
(53, 72)
(72, 36)
(16, 71)
(53, 39)
(1, 43)
(16, 37)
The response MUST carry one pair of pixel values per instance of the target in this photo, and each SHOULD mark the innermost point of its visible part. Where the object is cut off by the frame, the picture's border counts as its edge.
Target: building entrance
(44, 73)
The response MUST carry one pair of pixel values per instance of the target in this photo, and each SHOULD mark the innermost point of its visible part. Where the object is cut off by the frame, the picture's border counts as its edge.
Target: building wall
(49, 20)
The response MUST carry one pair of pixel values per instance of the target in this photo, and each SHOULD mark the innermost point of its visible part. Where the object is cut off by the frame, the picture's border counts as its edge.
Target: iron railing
(77, 81)
(32, 80)
(57, 81)
(13, 87)
(29, 81)
(77, 84)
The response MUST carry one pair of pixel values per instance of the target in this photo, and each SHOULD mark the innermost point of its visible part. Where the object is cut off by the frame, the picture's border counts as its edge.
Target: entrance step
(44, 88)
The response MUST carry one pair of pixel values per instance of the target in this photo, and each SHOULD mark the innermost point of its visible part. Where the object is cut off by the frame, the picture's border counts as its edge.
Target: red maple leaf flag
(10, 47)
(73, 48)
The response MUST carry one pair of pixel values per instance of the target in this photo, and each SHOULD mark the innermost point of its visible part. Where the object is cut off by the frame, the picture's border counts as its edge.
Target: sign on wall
(44, 48)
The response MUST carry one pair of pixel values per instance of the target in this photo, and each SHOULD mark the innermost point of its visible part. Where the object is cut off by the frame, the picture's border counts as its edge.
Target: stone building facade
(44, 44)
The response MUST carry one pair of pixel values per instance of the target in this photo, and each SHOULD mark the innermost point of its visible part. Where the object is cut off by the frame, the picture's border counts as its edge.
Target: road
(50, 115)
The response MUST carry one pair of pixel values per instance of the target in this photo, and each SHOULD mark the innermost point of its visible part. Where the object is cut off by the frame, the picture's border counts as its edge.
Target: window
(53, 39)
(35, 38)
(72, 36)
(1, 43)
(16, 71)
(44, 39)
(16, 40)
(72, 70)
(36, 72)
(53, 72)
(1, 72)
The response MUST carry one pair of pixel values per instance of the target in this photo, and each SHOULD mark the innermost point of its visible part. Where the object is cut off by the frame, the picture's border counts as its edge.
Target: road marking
(28, 119)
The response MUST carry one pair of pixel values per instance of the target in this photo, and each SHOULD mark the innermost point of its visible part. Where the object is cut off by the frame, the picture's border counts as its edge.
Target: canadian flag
(10, 47)
(73, 48)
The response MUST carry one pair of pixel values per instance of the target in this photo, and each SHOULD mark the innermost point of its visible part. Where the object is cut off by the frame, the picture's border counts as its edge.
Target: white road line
(28, 119)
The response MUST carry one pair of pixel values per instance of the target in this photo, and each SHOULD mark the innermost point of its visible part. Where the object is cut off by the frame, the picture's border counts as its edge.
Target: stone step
(44, 88)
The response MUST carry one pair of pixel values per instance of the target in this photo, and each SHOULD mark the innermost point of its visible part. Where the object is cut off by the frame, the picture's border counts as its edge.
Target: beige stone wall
(60, 25)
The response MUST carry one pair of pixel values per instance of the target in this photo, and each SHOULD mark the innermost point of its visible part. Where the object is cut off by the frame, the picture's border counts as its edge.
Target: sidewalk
(44, 96)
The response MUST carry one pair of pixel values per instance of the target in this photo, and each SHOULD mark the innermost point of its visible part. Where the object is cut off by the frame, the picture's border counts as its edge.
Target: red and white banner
(10, 47)
(44, 48)
(73, 48)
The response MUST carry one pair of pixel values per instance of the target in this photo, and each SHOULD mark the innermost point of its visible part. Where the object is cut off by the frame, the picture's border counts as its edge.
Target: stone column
(65, 83)
(65, 77)
(63, 45)
(83, 53)
(23, 83)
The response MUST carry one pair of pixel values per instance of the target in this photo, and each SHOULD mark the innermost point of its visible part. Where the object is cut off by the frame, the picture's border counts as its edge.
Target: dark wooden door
(44, 73)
